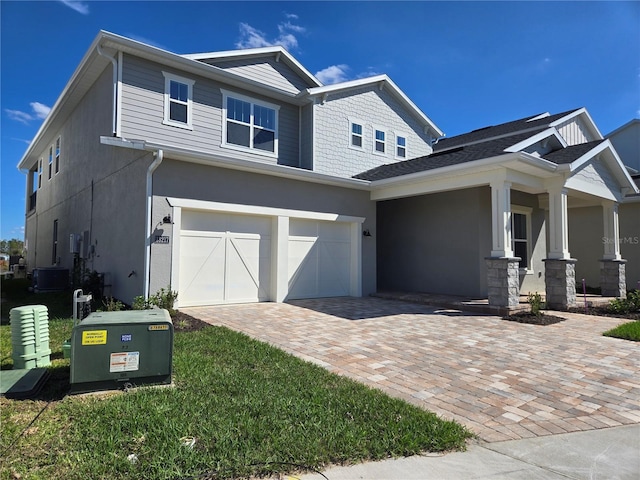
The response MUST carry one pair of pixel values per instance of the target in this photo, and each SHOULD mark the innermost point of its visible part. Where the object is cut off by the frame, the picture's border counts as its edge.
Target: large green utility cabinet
(121, 349)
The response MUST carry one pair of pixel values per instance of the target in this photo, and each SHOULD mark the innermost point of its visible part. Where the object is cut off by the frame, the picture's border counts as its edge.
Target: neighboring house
(238, 177)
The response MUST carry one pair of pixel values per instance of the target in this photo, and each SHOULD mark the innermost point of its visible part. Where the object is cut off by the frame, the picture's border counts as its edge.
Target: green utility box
(111, 350)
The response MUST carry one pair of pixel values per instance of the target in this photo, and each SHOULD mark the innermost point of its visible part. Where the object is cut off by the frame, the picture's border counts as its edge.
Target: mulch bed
(602, 311)
(186, 323)
(530, 318)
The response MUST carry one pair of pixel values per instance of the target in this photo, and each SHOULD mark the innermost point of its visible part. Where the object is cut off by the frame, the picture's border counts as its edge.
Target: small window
(356, 135)
(521, 234)
(250, 124)
(401, 147)
(57, 162)
(54, 249)
(178, 104)
(40, 174)
(379, 146)
(50, 162)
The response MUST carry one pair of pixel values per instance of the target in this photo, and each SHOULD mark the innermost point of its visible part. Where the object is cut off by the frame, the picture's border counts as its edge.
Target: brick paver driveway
(504, 380)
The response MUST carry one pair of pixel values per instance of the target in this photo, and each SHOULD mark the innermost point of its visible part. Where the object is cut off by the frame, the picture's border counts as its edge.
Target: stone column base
(503, 281)
(560, 283)
(612, 278)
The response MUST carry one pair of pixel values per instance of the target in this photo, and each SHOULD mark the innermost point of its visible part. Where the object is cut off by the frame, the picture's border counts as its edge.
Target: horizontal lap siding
(267, 71)
(143, 112)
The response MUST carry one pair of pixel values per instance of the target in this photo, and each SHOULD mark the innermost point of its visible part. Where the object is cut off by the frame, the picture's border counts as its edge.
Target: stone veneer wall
(560, 280)
(612, 278)
(503, 282)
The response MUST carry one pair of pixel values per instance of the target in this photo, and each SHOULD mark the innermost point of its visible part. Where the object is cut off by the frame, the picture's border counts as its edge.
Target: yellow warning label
(158, 327)
(94, 337)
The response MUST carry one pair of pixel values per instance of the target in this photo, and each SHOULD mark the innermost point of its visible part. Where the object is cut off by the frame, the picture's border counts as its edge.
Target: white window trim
(374, 141)
(406, 148)
(526, 211)
(168, 77)
(357, 122)
(252, 101)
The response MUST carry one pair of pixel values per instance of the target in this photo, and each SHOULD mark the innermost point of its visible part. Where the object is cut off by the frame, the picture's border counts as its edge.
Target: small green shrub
(536, 303)
(630, 304)
(161, 299)
(165, 299)
(139, 303)
(110, 304)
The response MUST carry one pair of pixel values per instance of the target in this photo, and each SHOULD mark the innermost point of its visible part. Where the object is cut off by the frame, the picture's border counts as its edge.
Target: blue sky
(464, 64)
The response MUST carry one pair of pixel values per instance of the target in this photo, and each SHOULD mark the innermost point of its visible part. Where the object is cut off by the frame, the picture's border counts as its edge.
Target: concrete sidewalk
(610, 453)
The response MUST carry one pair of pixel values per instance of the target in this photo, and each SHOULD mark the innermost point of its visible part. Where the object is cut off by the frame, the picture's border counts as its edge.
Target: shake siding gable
(376, 109)
(267, 71)
(143, 113)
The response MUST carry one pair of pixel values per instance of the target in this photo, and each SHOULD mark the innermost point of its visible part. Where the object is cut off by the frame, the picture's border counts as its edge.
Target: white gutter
(159, 155)
(115, 86)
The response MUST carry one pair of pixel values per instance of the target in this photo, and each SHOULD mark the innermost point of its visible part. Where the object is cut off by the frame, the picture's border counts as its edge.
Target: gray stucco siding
(200, 182)
(142, 114)
(267, 71)
(435, 243)
(376, 109)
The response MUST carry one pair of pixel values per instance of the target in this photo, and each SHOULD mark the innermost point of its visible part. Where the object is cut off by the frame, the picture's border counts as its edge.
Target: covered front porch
(492, 231)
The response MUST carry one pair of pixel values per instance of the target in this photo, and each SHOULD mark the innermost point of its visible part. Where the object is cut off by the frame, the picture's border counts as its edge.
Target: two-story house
(238, 177)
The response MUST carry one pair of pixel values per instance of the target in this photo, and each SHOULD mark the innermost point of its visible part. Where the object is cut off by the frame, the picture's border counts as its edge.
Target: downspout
(115, 86)
(158, 156)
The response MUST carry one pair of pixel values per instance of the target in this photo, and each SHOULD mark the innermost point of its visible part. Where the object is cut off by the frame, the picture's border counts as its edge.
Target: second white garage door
(319, 262)
(224, 258)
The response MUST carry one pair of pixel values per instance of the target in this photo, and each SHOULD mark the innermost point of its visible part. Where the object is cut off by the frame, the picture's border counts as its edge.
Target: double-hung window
(401, 146)
(521, 235)
(250, 124)
(379, 145)
(57, 162)
(50, 162)
(356, 135)
(178, 101)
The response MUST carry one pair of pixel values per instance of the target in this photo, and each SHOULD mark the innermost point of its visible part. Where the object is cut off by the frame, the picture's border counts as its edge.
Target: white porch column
(611, 238)
(501, 219)
(279, 259)
(558, 224)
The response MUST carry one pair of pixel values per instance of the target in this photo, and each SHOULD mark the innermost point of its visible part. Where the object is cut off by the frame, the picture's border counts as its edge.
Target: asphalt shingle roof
(498, 130)
(455, 156)
(569, 154)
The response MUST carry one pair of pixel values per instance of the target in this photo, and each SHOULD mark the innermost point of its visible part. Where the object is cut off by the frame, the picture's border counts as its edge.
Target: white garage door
(319, 259)
(224, 258)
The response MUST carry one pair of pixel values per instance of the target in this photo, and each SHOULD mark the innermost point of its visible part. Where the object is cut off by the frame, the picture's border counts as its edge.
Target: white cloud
(333, 74)
(251, 37)
(80, 7)
(19, 116)
(39, 111)
(291, 15)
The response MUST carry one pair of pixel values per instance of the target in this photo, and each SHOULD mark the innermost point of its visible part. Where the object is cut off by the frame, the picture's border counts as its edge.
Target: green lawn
(626, 331)
(253, 409)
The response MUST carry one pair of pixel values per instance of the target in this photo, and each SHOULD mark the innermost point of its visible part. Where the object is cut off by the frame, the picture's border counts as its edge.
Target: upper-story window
(57, 161)
(356, 135)
(250, 124)
(379, 142)
(50, 162)
(178, 101)
(401, 146)
(40, 173)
